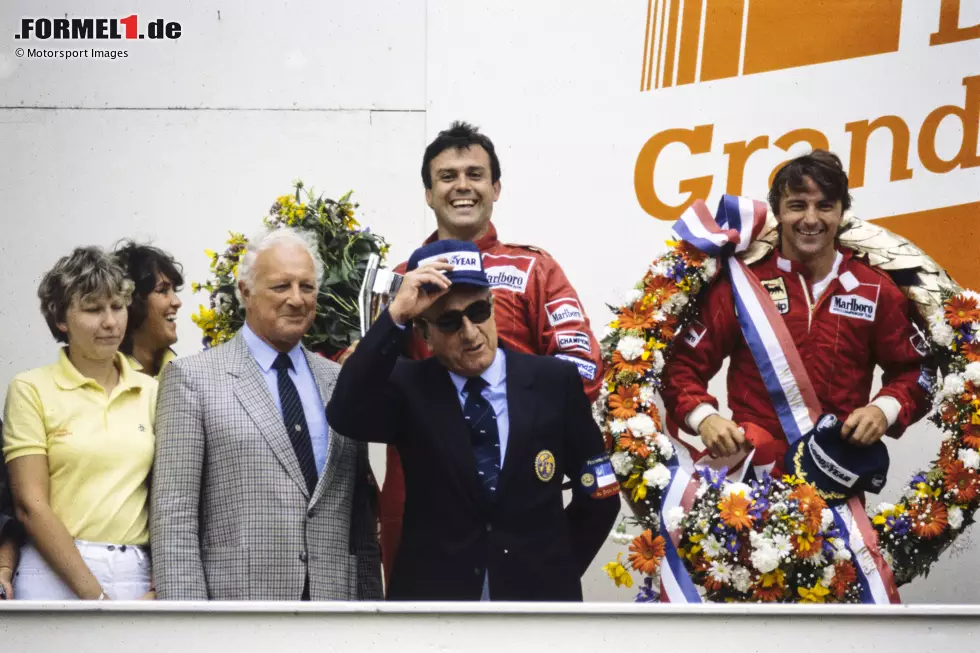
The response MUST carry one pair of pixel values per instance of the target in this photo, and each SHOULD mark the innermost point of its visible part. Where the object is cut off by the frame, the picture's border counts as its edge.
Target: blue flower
(647, 594)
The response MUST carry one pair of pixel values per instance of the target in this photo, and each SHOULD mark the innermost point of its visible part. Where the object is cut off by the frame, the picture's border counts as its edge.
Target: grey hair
(86, 272)
(269, 238)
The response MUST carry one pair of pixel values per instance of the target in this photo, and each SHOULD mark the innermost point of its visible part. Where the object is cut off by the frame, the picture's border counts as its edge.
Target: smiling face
(471, 350)
(95, 327)
(159, 330)
(280, 305)
(809, 223)
(462, 193)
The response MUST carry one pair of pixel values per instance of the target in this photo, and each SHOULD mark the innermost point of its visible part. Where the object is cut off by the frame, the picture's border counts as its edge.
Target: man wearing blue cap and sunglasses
(486, 436)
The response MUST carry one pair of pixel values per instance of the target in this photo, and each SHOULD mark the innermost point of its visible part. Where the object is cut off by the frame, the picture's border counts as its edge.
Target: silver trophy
(378, 289)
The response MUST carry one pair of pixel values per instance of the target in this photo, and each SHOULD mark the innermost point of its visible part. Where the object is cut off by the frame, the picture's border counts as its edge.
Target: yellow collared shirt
(168, 356)
(99, 447)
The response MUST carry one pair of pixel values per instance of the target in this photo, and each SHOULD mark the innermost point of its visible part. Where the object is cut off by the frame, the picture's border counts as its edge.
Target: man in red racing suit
(536, 309)
(844, 321)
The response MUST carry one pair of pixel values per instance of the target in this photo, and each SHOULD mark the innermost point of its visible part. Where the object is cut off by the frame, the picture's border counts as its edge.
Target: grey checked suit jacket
(230, 516)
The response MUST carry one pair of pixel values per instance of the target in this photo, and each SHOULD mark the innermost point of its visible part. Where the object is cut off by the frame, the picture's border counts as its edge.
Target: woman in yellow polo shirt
(151, 329)
(78, 442)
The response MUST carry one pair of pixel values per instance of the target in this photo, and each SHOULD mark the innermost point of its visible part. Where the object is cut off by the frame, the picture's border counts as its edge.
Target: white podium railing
(136, 627)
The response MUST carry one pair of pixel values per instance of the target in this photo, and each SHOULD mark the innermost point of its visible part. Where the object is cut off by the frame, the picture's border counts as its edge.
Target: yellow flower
(814, 594)
(614, 324)
(789, 479)
(775, 578)
(204, 318)
(640, 492)
(210, 253)
(617, 572)
(195, 286)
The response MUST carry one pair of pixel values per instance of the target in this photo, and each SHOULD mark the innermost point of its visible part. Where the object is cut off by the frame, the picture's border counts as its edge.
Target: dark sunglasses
(452, 321)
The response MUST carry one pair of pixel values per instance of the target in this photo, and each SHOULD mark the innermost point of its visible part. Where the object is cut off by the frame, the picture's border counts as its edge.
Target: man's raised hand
(411, 300)
(865, 426)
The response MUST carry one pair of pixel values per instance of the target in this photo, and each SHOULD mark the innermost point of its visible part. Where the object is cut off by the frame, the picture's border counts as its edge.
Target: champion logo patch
(564, 310)
(574, 341)
(586, 369)
(853, 306)
(508, 272)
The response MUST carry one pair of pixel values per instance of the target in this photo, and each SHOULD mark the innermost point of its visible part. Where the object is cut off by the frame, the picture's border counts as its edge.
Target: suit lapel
(450, 429)
(522, 412)
(253, 393)
(325, 382)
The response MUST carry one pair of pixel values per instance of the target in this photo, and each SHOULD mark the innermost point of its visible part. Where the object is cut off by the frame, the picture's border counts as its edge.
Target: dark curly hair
(142, 263)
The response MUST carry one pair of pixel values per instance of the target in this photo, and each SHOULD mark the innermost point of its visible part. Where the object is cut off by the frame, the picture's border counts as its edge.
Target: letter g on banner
(698, 141)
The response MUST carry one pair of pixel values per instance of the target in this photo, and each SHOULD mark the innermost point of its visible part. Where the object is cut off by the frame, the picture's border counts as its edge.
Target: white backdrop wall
(182, 141)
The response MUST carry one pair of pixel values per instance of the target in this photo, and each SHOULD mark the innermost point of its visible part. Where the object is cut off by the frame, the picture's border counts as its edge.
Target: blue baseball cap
(838, 468)
(463, 255)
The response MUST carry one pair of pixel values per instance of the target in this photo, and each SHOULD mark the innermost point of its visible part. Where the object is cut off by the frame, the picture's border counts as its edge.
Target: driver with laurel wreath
(844, 316)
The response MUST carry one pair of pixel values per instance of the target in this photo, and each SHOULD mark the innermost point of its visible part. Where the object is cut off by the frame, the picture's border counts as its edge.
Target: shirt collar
(494, 375)
(168, 356)
(265, 354)
(484, 243)
(68, 377)
(840, 264)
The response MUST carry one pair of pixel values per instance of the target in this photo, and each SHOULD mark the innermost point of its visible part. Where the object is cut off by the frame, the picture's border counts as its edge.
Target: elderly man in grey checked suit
(254, 496)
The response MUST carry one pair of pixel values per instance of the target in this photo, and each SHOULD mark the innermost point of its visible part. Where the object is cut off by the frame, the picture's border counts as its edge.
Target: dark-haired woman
(152, 328)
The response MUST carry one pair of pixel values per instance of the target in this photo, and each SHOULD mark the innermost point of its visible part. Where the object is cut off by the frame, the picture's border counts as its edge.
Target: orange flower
(962, 481)
(845, 577)
(972, 351)
(928, 518)
(949, 413)
(655, 416)
(646, 552)
(971, 434)
(668, 328)
(633, 445)
(962, 310)
(947, 454)
(623, 403)
(619, 364)
(768, 594)
(660, 287)
(735, 511)
(691, 254)
(637, 317)
(811, 506)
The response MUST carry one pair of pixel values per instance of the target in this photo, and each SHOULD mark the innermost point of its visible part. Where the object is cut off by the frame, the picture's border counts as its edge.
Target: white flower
(641, 425)
(741, 579)
(647, 394)
(841, 552)
(782, 544)
(632, 296)
(720, 571)
(970, 458)
(972, 372)
(710, 267)
(969, 294)
(955, 518)
(673, 518)
(702, 489)
(826, 519)
(941, 332)
(617, 426)
(630, 347)
(953, 385)
(713, 548)
(657, 477)
(621, 538)
(884, 507)
(622, 463)
(765, 558)
(828, 574)
(779, 508)
(664, 447)
(658, 362)
(736, 488)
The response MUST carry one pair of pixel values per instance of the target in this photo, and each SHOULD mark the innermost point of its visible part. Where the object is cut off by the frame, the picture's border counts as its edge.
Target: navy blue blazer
(534, 548)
